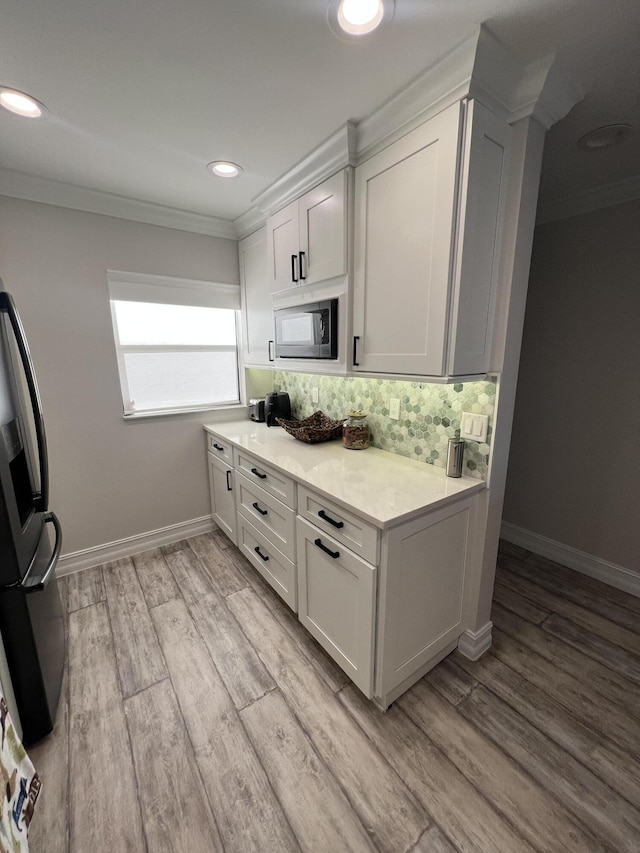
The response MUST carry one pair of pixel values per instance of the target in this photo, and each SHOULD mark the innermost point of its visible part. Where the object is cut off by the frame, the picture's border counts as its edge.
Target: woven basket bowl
(317, 427)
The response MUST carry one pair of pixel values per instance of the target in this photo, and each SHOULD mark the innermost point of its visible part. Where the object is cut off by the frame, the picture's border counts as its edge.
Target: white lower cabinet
(386, 602)
(336, 602)
(275, 520)
(221, 488)
(421, 596)
(274, 567)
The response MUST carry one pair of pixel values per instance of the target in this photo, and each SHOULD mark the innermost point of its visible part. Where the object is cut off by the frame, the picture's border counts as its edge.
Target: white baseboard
(90, 557)
(473, 644)
(595, 567)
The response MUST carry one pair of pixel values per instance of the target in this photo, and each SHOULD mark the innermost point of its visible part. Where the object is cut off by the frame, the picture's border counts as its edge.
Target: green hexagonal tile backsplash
(429, 414)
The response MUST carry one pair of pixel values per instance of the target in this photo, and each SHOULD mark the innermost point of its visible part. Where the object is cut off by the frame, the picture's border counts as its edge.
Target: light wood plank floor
(198, 715)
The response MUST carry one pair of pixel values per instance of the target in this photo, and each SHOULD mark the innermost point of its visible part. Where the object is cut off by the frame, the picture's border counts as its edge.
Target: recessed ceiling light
(224, 169)
(358, 17)
(20, 103)
(604, 137)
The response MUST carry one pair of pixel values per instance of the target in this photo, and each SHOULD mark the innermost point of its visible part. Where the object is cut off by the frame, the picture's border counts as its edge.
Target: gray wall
(109, 479)
(574, 467)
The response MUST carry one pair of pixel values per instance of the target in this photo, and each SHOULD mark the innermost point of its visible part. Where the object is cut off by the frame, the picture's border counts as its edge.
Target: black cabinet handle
(356, 338)
(258, 508)
(218, 447)
(229, 489)
(258, 474)
(270, 348)
(334, 554)
(325, 517)
(294, 277)
(301, 258)
(260, 554)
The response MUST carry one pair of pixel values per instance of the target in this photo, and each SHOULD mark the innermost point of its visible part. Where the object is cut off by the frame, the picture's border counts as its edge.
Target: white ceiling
(143, 94)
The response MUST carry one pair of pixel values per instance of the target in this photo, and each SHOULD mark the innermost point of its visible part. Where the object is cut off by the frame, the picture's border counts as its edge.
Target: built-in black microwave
(307, 331)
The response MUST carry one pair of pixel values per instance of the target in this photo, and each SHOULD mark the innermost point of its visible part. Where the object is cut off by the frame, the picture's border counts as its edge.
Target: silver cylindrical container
(455, 452)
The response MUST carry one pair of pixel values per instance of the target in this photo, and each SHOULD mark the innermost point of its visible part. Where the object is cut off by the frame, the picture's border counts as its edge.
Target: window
(176, 343)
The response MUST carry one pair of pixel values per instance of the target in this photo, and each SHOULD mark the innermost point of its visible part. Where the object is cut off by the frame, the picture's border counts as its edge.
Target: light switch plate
(394, 408)
(314, 395)
(474, 427)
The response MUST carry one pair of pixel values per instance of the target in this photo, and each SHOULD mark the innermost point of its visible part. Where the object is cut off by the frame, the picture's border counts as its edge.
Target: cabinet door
(278, 571)
(257, 310)
(323, 233)
(270, 516)
(422, 582)
(336, 602)
(283, 239)
(223, 506)
(405, 209)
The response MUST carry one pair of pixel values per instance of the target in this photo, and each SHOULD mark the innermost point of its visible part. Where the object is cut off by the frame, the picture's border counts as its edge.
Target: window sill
(235, 408)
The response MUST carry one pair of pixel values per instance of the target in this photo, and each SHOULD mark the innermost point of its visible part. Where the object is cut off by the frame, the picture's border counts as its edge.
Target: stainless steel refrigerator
(31, 622)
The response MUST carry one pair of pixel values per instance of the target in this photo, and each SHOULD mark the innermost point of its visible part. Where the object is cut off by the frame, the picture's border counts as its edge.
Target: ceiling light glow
(20, 103)
(224, 169)
(360, 16)
(351, 19)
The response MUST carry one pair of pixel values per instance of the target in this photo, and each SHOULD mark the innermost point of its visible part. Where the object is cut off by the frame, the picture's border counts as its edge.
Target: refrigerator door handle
(37, 585)
(41, 498)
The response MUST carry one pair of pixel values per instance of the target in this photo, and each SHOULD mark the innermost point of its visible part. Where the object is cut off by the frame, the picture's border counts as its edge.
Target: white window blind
(176, 343)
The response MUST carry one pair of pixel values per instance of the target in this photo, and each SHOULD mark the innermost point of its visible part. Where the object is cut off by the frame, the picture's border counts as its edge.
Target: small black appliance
(277, 405)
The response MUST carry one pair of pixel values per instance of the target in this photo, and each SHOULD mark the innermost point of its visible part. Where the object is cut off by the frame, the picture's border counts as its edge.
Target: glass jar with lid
(355, 432)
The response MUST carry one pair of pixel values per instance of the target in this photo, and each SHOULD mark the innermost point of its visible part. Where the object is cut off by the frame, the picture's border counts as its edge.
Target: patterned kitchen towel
(20, 787)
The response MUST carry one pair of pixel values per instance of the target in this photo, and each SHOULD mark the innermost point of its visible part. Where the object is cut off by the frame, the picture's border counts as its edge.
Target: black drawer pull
(228, 473)
(258, 474)
(218, 447)
(294, 277)
(260, 554)
(258, 508)
(301, 259)
(325, 517)
(334, 554)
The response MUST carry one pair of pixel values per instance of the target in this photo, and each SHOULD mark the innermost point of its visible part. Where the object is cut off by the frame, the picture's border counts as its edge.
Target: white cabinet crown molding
(479, 67)
(329, 157)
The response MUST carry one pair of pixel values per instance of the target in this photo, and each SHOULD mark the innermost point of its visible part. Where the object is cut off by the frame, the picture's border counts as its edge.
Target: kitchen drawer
(271, 480)
(337, 602)
(220, 448)
(269, 515)
(275, 568)
(358, 535)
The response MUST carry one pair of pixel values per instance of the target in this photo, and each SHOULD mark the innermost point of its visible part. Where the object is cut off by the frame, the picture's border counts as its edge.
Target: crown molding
(478, 67)
(444, 82)
(325, 160)
(542, 89)
(248, 222)
(588, 201)
(32, 188)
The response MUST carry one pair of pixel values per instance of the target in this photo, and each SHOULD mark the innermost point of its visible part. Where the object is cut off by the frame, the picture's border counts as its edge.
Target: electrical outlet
(314, 395)
(473, 426)
(394, 409)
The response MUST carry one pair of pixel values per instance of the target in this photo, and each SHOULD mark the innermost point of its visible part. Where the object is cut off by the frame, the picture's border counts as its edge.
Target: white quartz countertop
(381, 487)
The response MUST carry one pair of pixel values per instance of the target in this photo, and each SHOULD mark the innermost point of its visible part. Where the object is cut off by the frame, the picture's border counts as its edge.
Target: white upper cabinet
(257, 311)
(307, 240)
(427, 216)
